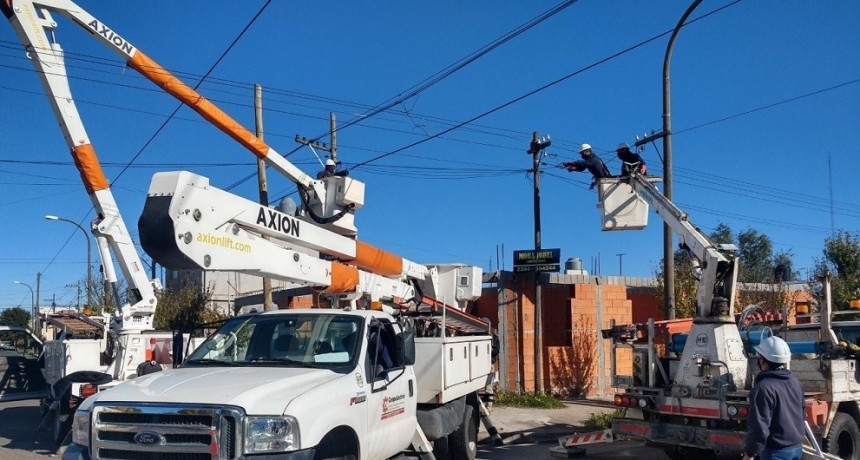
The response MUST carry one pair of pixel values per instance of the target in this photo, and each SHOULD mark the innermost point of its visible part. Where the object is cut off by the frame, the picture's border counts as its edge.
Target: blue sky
(763, 94)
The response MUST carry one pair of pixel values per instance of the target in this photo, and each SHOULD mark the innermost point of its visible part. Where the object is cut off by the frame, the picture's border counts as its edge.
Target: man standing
(775, 428)
(590, 162)
(630, 161)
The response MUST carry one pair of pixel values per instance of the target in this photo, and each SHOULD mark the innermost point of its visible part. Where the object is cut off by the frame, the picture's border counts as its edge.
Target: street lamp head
(52, 217)
(17, 282)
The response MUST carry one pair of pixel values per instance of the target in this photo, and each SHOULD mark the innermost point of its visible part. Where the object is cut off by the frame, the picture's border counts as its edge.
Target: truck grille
(158, 432)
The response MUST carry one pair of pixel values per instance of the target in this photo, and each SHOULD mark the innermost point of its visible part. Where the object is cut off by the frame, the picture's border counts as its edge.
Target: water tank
(573, 266)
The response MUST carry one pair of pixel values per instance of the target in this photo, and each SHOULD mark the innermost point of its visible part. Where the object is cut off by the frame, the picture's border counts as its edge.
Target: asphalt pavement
(526, 432)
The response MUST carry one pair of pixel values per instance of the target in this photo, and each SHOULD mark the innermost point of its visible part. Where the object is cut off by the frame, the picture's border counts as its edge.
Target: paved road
(19, 439)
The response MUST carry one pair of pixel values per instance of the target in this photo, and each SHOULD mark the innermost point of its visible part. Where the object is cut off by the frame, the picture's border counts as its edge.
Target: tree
(184, 308)
(842, 258)
(783, 266)
(685, 285)
(722, 235)
(15, 316)
(756, 254)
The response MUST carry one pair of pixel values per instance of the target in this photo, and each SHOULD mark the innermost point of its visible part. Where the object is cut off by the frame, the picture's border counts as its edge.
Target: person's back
(780, 393)
(776, 421)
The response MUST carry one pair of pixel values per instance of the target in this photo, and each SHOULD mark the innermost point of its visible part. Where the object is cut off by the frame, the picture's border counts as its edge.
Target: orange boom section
(161, 77)
(89, 167)
(377, 260)
(343, 279)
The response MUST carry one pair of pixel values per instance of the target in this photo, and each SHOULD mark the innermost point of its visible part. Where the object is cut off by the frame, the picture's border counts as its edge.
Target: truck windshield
(292, 340)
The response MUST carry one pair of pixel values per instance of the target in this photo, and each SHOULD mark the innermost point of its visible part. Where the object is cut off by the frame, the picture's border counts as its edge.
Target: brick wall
(572, 316)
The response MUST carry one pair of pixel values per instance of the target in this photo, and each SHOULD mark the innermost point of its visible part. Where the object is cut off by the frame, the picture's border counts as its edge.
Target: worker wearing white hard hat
(775, 425)
(590, 162)
(329, 170)
(630, 161)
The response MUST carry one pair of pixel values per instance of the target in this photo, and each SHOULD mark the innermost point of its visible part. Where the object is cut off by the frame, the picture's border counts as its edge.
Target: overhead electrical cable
(164, 124)
(543, 87)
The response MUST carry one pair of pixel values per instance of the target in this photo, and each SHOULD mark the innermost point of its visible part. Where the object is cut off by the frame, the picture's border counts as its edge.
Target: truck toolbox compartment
(451, 367)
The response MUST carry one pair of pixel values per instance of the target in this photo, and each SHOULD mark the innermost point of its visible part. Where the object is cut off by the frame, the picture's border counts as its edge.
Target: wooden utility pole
(268, 305)
(536, 150)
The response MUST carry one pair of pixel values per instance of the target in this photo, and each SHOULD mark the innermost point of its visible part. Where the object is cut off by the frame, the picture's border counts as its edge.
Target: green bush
(538, 400)
(603, 420)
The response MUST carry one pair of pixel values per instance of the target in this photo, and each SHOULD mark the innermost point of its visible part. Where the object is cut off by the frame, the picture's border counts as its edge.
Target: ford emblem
(149, 438)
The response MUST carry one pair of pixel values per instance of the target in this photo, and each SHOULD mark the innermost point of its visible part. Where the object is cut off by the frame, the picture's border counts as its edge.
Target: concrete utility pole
(332, 122)
(536, 150)
(38, 311)
(668, 247)
(268, 305)
(621, 263)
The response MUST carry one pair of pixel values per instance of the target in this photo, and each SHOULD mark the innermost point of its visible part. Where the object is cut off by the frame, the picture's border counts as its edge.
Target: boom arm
(188, 224)
(715, 266)
(35, 26)
(182, 210)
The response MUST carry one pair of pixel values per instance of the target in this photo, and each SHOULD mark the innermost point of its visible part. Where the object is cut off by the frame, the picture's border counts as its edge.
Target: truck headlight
(271, 434)
(81, 428)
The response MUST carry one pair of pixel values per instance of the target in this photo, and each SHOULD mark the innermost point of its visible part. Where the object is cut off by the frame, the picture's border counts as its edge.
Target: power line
(164, 124)
(541, 88)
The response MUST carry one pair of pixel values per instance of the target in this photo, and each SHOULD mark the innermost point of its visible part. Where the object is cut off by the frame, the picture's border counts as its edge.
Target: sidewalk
(526, 424)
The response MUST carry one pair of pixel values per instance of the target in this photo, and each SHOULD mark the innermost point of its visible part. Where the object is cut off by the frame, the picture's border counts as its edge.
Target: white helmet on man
(584, 147)
(622, 146)
(330, 162)
(774, 349)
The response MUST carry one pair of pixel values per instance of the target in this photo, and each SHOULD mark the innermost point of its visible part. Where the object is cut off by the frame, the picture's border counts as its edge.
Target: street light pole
(89, 257)
(668, 249)
(32, 304)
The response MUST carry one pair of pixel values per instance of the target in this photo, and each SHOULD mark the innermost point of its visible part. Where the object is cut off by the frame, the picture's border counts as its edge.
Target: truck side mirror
(405, 348)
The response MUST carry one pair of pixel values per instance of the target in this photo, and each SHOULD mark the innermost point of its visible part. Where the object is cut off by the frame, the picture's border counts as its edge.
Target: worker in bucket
(330, 169)
(630, 161)
(590, 162)
(775, 426)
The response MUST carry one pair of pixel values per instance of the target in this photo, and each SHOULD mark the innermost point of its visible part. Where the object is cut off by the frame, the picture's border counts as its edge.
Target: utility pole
(263, 185)
(36, 322)
(621, 263)
(332, 122)
(668, 247)
(536, 148)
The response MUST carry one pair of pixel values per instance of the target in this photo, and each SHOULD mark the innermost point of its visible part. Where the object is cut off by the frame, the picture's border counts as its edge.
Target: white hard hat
(329, 162)
(774, 349)
(584, 148)
(622, 146)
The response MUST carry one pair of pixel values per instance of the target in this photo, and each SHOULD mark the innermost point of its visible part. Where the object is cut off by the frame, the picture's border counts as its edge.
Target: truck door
(391, 412)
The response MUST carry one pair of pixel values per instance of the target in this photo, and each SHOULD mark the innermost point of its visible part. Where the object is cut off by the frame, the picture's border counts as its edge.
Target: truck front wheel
(463, 443)
(337, 445)
(843, 439)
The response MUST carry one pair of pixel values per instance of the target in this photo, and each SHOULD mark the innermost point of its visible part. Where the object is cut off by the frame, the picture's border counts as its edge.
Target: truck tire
(337, 445)
(843, 439)
(463, 443)
(62, 425)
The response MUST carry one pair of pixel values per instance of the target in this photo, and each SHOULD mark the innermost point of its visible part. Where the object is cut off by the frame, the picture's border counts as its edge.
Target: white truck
(394, 365)
(693, 401)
